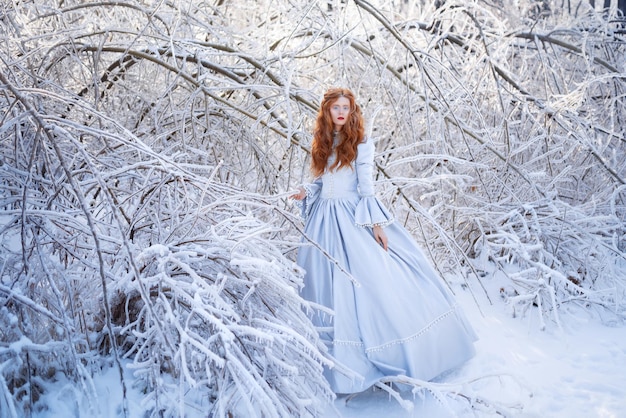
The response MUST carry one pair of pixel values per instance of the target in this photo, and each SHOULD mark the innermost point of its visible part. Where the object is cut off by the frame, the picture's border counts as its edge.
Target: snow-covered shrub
(499, 135)
(216, 310)
(110, 249)
(564, 255)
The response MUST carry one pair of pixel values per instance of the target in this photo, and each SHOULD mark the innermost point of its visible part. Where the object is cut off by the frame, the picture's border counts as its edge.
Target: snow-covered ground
(576, 371)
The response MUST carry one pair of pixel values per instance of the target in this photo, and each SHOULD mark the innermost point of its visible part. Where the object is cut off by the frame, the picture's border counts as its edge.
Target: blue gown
(393, 315)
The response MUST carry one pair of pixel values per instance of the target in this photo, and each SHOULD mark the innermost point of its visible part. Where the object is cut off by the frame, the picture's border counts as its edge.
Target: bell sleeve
(312, 191)
(369, 211)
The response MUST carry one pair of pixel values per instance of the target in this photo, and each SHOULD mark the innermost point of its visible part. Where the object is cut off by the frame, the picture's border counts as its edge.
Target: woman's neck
(336, 137)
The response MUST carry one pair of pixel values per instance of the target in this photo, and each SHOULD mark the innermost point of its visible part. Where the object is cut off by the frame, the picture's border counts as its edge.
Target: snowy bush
(112, 249)
(499, 134)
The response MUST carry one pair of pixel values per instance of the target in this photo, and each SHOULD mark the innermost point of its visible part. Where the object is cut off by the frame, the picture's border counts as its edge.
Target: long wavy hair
(352, 133)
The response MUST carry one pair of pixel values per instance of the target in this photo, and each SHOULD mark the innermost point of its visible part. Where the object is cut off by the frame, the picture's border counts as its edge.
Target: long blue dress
(393, 315)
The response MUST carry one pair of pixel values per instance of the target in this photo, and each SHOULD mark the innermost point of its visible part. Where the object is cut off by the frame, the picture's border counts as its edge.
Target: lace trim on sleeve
(370, 212)
(381, 224)
(312, 192)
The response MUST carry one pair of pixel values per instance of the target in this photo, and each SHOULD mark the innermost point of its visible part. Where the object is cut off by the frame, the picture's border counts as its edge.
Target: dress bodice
(346, 182)
(354, 183)
(339, 183)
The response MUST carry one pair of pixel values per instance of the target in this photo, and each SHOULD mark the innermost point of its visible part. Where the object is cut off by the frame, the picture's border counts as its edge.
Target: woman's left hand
(380, 236)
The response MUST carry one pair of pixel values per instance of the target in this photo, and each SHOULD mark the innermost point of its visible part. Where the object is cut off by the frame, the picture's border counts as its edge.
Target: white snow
(579, 371)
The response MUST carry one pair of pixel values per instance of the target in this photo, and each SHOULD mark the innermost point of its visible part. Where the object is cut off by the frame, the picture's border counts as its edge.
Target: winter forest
(148, 149)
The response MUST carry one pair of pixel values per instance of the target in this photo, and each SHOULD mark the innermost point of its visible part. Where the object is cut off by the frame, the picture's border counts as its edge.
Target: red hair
(352, 133)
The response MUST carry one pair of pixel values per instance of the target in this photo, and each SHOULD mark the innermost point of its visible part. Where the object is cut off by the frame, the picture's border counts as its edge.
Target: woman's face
(340, 112)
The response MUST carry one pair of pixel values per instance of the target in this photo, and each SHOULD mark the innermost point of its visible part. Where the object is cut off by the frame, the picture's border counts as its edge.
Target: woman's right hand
(299, 196)
(380, 236)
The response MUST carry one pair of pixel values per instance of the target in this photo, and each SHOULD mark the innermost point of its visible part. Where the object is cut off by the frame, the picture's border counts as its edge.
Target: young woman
(392, 313)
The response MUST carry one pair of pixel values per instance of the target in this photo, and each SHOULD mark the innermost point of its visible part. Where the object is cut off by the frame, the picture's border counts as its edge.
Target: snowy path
(577, 372)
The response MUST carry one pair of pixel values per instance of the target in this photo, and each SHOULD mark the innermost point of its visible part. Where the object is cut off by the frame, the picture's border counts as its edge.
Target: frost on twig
(455, 396)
